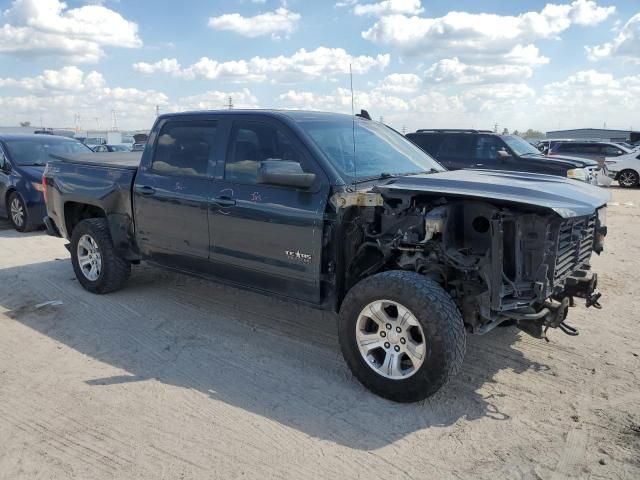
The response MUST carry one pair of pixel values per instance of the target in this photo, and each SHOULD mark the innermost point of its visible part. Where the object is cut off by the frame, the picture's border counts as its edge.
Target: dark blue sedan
(22, 162)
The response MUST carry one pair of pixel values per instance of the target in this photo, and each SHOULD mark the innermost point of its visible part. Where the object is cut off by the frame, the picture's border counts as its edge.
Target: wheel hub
(89, 257)
(390, 339)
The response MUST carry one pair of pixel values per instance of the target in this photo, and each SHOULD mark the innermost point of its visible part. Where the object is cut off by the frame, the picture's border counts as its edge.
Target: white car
(625, 169)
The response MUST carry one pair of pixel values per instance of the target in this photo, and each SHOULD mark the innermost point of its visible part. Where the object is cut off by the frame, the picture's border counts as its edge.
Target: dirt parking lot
(177, 378)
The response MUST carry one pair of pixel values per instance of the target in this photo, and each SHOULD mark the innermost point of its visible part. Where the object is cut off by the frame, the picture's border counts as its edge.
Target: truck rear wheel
(97, 265)
(401, 335)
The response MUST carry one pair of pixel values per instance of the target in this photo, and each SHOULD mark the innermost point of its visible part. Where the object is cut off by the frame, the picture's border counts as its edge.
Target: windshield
(35, 151)
(519, 145)
(378, 149)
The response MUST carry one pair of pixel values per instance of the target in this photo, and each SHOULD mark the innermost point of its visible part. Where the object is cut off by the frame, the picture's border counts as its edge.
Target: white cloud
(166, 65)
(401, 83)
(590, 98)
(49, 27)
(389, 7)
(626, 44)
(482, 36)
(302, 65)
(69, 78)
(453, 71)
(280, 21)
(215, 100)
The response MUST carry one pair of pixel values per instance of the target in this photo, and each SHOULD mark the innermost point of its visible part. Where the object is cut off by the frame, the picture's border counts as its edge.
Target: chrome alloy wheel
(89, 257)
(17, 212)
(628, 178)
(390, 339)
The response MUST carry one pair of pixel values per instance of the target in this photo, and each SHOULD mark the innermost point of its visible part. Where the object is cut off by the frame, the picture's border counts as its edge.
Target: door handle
(144, 190)
(224, 201)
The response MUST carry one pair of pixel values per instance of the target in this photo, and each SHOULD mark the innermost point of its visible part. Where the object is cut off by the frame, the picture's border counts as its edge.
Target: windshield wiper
(531, 153)
(382, 176)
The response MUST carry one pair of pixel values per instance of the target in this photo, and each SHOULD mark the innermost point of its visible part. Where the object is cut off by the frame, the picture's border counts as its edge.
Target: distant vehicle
(592, 150)
(483, 149)
(411, 256)
(93, 141)
(22, 162)
(625, 169)
(111, 148)
(138, 147)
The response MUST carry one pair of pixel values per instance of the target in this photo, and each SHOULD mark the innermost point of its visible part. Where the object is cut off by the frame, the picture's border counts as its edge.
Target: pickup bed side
(70, 199)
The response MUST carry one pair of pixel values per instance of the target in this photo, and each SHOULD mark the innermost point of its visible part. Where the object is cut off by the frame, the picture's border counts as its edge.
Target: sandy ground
(177, 378)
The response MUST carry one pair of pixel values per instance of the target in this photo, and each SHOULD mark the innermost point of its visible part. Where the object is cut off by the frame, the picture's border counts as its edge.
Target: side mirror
(285, 173)
(502, 153)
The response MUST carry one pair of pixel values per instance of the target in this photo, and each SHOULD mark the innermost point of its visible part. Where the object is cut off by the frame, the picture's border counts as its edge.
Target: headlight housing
(578, 174)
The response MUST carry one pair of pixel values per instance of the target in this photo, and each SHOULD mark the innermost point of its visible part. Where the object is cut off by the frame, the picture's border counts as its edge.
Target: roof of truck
(296, 115)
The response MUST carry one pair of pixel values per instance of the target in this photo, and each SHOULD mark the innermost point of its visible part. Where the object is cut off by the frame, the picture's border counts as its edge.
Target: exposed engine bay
(498, 261)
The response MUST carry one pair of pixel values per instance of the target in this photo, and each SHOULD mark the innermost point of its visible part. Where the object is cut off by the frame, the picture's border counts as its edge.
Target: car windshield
(36, 151)
(519, 145)
(378, 149)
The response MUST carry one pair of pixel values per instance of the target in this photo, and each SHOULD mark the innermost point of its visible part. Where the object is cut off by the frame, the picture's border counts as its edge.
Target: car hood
(577, 161)
(32, 172)
(568, 198)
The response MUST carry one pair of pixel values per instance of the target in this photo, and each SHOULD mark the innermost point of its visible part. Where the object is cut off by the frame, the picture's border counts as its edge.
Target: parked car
(111, 148)
(411, 256)
(457, 149)
(138, 147)
(596, 151)
(22, 161)
(625, 169)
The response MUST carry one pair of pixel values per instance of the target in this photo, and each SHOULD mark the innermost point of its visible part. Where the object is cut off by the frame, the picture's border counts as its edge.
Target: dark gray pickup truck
(341, 213)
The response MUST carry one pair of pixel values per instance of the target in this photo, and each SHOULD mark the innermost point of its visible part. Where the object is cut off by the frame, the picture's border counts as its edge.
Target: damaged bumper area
(498, 263)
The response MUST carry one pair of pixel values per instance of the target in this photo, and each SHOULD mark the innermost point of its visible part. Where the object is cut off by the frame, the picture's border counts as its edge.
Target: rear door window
(185, 148)
(457, 147)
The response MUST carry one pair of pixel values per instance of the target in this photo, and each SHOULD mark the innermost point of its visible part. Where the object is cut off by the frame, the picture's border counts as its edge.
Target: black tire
(26, 225)
(628, 178)
(114, 270)
(439, 317)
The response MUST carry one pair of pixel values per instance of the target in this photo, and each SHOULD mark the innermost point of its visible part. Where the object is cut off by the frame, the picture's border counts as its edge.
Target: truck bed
(120, 160)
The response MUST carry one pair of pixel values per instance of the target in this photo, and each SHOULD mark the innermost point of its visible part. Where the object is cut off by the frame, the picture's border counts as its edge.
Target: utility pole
(114, 121)
(230, 104)
(495, 128)
(97, 119)
(76, 120)
(157, 111)
(404, 129)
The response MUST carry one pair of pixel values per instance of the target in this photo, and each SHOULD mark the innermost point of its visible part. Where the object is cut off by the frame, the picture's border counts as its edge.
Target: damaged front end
(499, 263)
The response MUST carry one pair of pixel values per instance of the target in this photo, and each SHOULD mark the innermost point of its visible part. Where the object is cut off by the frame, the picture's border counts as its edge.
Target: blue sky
(430, 63)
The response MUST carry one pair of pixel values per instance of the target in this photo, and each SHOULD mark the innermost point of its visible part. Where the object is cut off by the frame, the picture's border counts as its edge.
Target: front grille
(575, 243)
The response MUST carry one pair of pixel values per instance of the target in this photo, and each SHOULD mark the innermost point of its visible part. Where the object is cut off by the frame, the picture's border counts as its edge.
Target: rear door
(171, 193)
(266, 236)
(456, 151)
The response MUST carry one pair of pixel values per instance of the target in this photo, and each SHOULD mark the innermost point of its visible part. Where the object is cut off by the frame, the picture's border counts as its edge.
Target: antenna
(353, 128)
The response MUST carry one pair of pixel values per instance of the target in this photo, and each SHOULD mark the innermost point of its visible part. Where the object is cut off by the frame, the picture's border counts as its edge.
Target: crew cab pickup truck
(341, 213)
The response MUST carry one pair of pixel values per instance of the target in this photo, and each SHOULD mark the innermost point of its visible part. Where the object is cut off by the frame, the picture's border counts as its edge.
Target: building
(600, 134)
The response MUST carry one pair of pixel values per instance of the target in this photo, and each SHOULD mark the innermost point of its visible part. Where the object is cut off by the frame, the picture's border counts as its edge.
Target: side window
(567, 147)
(487, 148)
(611, 151)
(587, 148)
(429, 142)
(185, 148)
(3, 160)
(456, 147)
(252, 143)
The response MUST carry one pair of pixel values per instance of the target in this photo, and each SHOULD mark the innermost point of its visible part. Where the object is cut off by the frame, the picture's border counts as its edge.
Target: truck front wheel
(97, 265)
(401, 335)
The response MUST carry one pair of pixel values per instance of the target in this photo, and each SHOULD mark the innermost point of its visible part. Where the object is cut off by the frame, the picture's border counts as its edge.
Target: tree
(530, 133)
(25, 124)
(516, 133)
(505, 131)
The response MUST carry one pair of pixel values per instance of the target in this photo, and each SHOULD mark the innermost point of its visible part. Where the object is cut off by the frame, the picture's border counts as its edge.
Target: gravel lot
(175, 377)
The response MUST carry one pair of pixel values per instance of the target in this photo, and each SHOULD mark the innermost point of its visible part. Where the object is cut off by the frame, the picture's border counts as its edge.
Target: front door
(265, 236)
(5, 179)
(171, 194)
